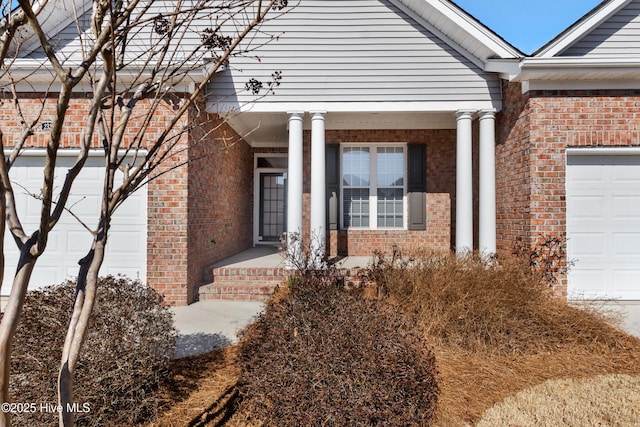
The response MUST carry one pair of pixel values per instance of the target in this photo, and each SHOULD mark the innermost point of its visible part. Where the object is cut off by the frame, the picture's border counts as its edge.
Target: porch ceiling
(262, 128)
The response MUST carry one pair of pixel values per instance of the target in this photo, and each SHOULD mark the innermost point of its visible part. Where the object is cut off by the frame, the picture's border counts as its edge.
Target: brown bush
(324, 356)
(475, 304)
(125, 355)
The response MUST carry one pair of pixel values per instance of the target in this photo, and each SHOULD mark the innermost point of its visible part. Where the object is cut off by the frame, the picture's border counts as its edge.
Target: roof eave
(442, 14)
(571, 68)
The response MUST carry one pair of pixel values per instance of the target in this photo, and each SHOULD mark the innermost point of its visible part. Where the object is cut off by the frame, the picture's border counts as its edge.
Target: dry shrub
(125, 355)
(480, 305)
(606, 400)
(496, 328)
(324, 356)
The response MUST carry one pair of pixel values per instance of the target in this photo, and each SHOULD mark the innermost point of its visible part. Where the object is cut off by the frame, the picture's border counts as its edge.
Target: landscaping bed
(493, 331)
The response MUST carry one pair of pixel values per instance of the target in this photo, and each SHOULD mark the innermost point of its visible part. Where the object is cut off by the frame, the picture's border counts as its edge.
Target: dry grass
(497, 330)
(608, 400)
(494, 332)
(471, 383)
(199, 390)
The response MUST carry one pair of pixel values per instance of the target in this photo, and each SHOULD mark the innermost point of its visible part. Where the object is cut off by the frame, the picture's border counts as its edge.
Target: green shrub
(320, 355)
(126, 353)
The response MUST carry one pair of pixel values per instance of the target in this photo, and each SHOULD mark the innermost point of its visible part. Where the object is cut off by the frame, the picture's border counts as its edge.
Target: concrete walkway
(629, 313)
(209, 325)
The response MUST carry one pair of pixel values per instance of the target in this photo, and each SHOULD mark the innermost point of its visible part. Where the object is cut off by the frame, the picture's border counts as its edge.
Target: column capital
(486, 114)
(318, 115)
(464, 114)
(293, 115)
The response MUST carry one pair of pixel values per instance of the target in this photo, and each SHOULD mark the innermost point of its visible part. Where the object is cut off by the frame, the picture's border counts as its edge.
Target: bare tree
(133, 61)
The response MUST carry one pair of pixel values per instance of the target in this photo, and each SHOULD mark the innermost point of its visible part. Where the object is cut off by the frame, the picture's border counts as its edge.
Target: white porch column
(318, 185)
(464, 183)
(487, 220)
(294, 183)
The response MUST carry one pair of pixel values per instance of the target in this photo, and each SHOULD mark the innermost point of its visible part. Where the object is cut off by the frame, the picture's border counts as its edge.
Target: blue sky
(527, 24)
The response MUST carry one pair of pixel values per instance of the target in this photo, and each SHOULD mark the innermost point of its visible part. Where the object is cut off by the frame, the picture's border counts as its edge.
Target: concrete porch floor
(268, 256)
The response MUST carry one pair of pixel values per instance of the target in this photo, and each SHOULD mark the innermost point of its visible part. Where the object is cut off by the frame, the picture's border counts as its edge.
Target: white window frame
(373, 185)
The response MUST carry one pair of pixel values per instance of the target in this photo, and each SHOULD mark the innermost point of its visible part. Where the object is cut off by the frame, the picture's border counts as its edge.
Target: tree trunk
(9, 323)
(82, 308)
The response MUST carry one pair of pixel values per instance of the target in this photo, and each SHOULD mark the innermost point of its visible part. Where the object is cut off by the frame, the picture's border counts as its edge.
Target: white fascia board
(603, 151)
(74, 152)
(354, 107)
(607, 84)
(581, 28)
(34, 75)
(507, 69)
(453, 15)
(572, 66)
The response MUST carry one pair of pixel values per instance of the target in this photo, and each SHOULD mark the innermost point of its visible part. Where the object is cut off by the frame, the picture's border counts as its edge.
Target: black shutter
(332, 152)
(417, 186)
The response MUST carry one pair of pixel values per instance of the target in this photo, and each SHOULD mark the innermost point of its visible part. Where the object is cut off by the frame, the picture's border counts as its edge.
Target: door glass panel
(272, 206)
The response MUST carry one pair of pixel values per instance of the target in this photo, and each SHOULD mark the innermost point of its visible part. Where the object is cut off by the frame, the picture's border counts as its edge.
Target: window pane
(356, 207)
(355, 166)
(390, 207)
(390, 163)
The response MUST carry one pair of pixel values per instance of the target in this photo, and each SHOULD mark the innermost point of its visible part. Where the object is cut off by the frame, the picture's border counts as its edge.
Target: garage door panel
(626, 244)
(133, 211)
(77, 242)
(591, 281)
(70, 241)
(45, 275)
(588, 207)
(626, 282)
(587, 244)
(603, 225)
(83, 207)
(123, 242)
(626, 207)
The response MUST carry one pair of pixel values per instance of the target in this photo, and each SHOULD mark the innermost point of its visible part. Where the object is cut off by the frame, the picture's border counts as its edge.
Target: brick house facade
(457, 141)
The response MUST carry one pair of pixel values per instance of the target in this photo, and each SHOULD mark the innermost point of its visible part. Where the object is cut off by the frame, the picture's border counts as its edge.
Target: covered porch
(427, 177)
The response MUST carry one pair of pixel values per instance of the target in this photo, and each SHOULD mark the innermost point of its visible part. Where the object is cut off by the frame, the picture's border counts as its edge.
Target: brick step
(231, 274)
(255, 284)
(237, 290)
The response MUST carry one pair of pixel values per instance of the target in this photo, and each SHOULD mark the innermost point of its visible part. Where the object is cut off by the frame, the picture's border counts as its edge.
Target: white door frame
(256, 192)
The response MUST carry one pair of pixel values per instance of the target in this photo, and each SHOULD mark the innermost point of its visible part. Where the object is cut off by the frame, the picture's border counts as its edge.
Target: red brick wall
(513, 174)
(220, 197)
(207, 199)
(534, 132)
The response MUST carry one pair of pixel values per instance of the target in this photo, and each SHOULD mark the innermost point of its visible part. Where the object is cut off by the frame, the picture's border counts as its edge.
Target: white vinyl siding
(74, 40)
(373, 186)
(354, 51)
(618, 36)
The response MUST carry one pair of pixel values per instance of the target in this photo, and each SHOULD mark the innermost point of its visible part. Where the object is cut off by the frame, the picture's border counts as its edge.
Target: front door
(273, 206)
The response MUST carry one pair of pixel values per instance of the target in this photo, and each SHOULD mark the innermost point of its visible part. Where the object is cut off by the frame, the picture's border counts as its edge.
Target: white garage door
(70, 241)
(603, 226)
